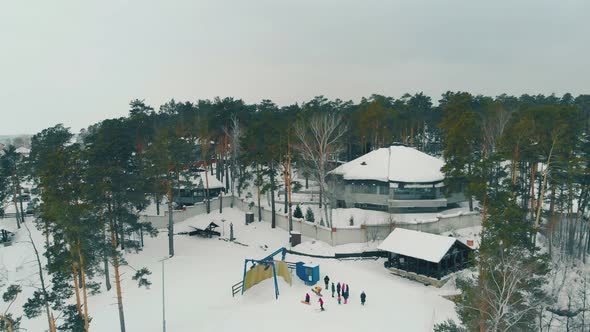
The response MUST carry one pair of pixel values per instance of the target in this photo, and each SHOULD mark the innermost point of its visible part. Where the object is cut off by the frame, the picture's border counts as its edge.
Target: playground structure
(257, 270)
(260, 270)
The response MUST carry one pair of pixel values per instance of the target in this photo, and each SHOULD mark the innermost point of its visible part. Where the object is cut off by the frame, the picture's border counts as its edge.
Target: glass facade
(414, 193)
(370, 188)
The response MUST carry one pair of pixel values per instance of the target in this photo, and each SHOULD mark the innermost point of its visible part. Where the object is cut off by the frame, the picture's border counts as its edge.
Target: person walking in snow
(326, 281)
(363, 298)
(307, 298)
(333, 289)
(345, 297)
(321, 304)
(338, 288)
(339, 299)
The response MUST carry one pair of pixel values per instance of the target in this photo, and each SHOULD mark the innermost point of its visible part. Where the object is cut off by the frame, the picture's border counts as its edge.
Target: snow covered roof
(23, 150)
(211, 180)
(425, 246)
(200, 181)
(396, 163)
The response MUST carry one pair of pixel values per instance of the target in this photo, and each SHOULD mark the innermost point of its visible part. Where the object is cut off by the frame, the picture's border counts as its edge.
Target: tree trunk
(83, 273)
(469, 191)
(532, 192)
(158, 203)
(42, 280)
(170, 219)
(52, 327)
(258, 187)
(76, 286)
(285, 205)
(22, 211)
(226, 164)
(106, 262)
(272, 196)
(515, 165)
(117, 279)
(47, 254)
(16, 209)
(217, 168)
(121, 233)
(288, 192)
(539, 205)
(207, 203)
(551, 220)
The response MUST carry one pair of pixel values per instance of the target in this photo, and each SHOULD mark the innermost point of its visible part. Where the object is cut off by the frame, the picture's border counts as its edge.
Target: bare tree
(494, 122)
(508, 305)
(319, 138)
(235, 135)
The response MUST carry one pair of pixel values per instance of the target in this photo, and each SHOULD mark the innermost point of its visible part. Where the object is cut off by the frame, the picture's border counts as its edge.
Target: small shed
(7, 234)
(193, 189)
(249, 217)
(424, 254)
(295, 238)
(310, 274)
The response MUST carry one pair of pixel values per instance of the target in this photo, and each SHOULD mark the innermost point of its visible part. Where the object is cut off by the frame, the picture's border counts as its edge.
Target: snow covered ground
(200, 276)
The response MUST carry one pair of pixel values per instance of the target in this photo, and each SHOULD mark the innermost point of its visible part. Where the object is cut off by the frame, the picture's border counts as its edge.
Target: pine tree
(309, 215)
(11, 163)
(461, 126)
(298, 213)
(116, 189)
(7, 321)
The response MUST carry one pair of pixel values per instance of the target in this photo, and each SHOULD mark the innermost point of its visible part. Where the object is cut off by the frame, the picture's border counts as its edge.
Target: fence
(334, 236)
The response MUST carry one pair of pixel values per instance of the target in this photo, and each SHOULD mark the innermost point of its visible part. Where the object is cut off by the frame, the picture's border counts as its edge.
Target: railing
(291, 265)
(237, 288)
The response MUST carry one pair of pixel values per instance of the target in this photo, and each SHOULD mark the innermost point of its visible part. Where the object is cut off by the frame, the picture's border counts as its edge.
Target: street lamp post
(163, 297)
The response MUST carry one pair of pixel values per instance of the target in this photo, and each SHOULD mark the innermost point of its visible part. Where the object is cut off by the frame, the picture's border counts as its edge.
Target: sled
(308, 303)
(316, 293)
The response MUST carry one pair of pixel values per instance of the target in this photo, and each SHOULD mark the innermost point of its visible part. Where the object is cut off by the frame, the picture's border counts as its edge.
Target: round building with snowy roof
(395, 179)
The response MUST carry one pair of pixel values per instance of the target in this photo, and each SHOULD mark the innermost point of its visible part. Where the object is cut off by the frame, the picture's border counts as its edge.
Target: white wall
(313, 230)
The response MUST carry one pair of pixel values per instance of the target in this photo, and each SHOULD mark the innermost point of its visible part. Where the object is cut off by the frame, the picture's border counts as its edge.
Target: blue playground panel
(308, 273)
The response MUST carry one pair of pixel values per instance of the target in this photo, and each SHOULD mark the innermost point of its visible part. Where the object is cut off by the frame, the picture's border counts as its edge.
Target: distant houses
(194, 189)
(23, 151)
(395, 179)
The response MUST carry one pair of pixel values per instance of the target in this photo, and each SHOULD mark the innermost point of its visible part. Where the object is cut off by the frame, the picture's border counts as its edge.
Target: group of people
(342, 290)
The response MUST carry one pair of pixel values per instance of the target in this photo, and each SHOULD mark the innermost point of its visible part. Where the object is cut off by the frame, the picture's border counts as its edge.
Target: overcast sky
(77, 63)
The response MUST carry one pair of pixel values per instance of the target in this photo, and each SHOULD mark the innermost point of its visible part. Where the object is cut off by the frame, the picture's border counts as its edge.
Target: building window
(414, 193)
(364, 188)
(367, 206)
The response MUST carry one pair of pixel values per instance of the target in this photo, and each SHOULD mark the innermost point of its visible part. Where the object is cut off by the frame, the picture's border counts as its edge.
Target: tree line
(513, 155)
